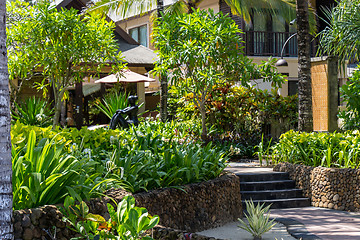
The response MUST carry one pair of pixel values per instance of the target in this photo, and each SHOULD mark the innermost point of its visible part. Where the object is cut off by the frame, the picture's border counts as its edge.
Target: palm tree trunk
(6, 228)
(304, 75)
(163, 79)
(163, 98)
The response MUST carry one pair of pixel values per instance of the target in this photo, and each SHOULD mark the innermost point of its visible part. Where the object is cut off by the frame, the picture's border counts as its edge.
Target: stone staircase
(273, 188)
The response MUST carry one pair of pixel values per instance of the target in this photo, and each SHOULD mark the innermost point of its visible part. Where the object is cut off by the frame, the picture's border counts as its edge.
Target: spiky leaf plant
(258, 218)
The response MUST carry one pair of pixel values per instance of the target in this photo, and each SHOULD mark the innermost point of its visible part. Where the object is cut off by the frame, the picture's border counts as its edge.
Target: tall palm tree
(6, 228)
(304, 75)
(163, 80)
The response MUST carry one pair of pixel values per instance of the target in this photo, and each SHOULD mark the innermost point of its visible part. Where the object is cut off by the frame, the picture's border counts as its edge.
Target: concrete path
(250, 167)
(231, 231)
(307, 223)
(319, 223)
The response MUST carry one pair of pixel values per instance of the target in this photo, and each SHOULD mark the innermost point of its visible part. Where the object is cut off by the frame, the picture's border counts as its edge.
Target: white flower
(112, 139)
(39, 117)
(73, 147)
(87, 151)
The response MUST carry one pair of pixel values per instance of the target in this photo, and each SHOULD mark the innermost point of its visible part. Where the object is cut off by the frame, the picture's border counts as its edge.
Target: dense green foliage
(351, 95)
(202, 50)
(127, 222)
(61, 44)
(238, 115)
(49, 165)
(44, 173)
(112, 102)
(319, 149)
(33, 111)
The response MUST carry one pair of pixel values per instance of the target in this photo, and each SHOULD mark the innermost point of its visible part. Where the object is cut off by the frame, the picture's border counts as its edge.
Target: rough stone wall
(194, 208)
(326, 187)
(161, 233)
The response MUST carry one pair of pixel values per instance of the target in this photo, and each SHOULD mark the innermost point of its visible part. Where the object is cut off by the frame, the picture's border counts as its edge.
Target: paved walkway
(302, 223)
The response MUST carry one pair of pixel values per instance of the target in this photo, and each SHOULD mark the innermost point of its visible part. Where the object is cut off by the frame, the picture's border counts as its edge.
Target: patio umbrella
(126, 76)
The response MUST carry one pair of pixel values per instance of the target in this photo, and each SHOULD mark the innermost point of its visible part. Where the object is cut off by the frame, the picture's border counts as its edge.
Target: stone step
(283, 203)
(267, 185)
(257, 177)
(271, 194)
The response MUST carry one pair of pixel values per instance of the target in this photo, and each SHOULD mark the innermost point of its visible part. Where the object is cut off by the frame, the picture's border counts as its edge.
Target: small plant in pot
(258, 218)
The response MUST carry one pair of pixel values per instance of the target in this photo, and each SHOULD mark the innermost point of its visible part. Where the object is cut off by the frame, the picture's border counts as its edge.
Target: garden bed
(193, 208)
(326, 187)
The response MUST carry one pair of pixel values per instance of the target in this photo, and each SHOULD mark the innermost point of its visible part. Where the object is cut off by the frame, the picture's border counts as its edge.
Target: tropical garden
(215, 111)
(51, 163)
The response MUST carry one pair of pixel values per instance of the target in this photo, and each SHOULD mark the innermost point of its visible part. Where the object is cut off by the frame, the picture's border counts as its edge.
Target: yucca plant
(33, 111)
(258, 218)
(112, 102)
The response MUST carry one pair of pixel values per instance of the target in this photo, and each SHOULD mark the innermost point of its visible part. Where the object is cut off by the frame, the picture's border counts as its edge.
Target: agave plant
(258, 219)
(33, 111)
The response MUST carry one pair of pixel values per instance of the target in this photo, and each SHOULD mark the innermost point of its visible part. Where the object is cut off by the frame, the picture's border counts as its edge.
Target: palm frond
(122, 8)
(276, 8)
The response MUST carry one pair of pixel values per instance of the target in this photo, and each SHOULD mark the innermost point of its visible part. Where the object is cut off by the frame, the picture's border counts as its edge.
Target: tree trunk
(304, 75)
(57, 96)
(163, 98)
(191, 6)
(6, 228)
(204, 133)
(163, 79)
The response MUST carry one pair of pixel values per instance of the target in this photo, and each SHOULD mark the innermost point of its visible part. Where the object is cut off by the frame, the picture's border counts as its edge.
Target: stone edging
(193, 208)
(332, 188)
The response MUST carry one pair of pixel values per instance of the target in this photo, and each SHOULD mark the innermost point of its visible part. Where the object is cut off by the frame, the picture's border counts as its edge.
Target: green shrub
(127, 222)
(44, 173)
(33, 111)
(239, 116)
(319, 149)
(351, 94)
(112, 102)
(50, 164)
(144, 161)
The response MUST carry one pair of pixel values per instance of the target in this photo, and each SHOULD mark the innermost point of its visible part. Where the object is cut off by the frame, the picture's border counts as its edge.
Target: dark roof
(133, 53)
(78, 4)
(136, 54)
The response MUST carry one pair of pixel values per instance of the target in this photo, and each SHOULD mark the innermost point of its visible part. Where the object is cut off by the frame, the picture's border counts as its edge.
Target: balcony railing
(259, 43)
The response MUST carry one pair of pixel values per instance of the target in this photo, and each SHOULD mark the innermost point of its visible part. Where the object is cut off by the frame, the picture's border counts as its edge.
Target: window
(293, 87)
(140, 35)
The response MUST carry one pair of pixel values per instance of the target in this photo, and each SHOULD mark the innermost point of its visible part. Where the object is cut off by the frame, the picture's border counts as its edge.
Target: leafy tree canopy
(204, 49)
(62, 45)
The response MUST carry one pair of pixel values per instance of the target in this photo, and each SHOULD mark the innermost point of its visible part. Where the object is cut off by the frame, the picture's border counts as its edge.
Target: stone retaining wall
(194, 208)
(326, 187)
(161, 233)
